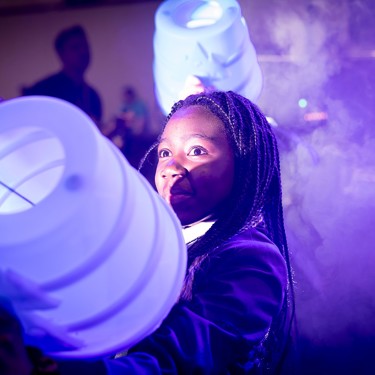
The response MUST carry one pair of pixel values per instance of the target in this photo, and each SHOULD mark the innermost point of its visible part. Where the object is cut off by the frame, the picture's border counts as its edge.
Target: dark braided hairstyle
(256, 197)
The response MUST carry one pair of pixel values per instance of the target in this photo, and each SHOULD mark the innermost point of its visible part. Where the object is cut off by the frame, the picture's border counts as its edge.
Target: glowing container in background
(91, 258)
(207, 39)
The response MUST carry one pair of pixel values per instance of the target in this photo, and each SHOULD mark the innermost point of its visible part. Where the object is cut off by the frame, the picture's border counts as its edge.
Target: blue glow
(205, 15)
(302, 103)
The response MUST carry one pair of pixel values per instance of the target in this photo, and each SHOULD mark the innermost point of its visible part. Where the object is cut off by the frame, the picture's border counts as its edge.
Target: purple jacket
(236, 295)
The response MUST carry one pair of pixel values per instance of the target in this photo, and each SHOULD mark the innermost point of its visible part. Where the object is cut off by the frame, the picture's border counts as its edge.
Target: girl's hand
(14, 358)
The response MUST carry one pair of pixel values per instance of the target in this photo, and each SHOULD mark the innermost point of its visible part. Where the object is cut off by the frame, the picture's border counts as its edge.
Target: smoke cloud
(324, 55)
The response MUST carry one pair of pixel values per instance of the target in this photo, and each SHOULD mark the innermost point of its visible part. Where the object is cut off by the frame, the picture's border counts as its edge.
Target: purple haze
(325, 53)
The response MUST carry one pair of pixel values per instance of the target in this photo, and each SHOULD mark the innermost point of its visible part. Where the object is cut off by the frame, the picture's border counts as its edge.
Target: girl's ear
(148, 165)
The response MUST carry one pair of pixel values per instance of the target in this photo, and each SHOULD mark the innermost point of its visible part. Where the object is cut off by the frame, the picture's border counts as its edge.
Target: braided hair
(256, 197)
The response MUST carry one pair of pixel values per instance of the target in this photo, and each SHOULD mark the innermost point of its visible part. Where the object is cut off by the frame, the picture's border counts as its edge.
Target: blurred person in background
(69, 83)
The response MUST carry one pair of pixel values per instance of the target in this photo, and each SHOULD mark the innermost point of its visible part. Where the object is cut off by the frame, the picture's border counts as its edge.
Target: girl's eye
(164, 153)
(197, 151)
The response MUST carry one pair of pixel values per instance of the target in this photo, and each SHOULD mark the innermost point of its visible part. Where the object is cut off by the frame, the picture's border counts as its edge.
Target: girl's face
(195, 169)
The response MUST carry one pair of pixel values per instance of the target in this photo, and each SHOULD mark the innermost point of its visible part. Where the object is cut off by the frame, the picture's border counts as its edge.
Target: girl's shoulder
(250, 241)
(249, 249)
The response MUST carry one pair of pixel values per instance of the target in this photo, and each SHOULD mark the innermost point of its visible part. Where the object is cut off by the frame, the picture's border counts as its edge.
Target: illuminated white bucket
(91, 258)
(208, 39)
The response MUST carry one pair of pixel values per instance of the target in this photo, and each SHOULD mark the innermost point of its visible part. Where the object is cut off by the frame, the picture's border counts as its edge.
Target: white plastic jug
(91, 258)
(208, 39)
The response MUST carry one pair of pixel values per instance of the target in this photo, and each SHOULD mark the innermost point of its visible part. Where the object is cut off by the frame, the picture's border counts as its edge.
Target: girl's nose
(173, 169)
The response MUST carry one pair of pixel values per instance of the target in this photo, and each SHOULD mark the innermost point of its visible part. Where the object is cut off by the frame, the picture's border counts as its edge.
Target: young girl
(218, 168)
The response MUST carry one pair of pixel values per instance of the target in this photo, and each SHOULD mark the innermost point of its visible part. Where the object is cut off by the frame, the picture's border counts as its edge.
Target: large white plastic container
(208, 39)
(91, 258)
